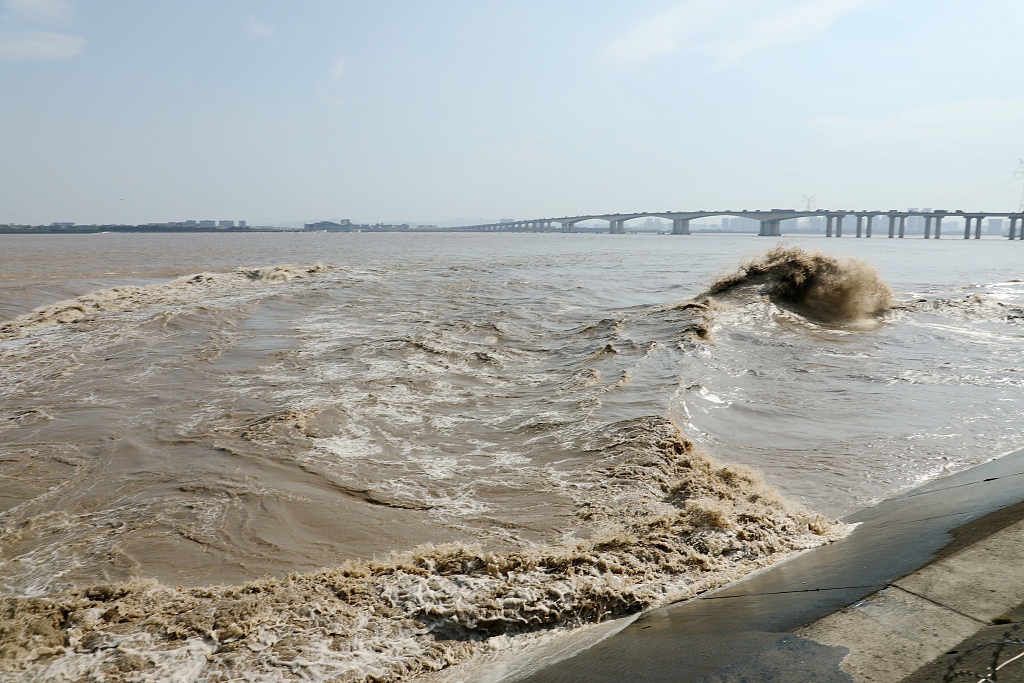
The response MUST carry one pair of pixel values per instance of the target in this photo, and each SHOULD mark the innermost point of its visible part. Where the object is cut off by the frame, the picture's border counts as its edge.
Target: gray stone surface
(891, 634)
(983, 581)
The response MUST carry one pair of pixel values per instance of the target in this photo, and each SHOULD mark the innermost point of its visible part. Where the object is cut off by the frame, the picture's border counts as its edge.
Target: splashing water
(820, 287)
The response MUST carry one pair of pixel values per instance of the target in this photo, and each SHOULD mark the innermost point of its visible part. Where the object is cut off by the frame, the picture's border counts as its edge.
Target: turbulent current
(376, 457)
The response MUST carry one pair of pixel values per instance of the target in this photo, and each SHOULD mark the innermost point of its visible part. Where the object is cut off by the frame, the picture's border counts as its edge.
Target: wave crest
(818, 286)
(189, 288)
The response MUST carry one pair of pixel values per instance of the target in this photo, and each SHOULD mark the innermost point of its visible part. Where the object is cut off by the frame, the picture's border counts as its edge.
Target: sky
(129, 111)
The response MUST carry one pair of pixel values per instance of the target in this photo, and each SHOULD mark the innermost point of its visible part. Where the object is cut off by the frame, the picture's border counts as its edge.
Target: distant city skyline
(402, 112)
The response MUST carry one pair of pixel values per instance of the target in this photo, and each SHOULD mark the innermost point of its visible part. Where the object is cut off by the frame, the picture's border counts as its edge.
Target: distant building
(206, 224)
(915, 223)
(224, 225)
(344, 226)
(61, 225)
(739, 224)
(243, 225)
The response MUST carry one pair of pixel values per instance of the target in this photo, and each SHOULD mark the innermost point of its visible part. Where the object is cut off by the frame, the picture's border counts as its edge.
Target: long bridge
(771, 221)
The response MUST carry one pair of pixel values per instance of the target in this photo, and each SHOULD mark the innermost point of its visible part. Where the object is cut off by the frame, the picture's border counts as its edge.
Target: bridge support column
(616, 227)
(770, 228)
(927, 227)
(938, 227)
(892, 226)
(860, 221)
(967, 227)
(839, 225)
(871, 219)
(828, 225)
(1013, 227)
(680, 226)
(977, 228)
(903, 226)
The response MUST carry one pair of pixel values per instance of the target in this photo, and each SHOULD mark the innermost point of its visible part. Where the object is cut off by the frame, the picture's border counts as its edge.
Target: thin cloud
(796, 25)
(666, 31)
(40, 45)
(45, 11)
(256, 29)
(338, 69)
(21, 39)
(966, 120)
(711, 26)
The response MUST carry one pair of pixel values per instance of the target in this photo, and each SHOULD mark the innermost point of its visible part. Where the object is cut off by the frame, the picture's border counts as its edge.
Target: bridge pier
(938, 227)
(770, 228)
(828, 225)
(871, 219)
(903, 226)
(967, 227)
(860, 221)
(927, 227)
(892, 226)
(977, 228)
(839, 225)
(616, 227)
(1013, 227)
(680, 226)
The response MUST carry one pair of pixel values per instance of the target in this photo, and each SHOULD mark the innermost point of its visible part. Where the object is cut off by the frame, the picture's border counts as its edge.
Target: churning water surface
(433, 444)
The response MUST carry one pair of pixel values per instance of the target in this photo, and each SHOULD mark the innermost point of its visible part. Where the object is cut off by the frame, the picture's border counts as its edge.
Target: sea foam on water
(672, 524)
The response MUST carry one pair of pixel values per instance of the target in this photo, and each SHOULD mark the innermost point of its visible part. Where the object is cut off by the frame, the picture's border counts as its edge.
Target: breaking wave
(669, 523)
(135, 298)
(820, 287)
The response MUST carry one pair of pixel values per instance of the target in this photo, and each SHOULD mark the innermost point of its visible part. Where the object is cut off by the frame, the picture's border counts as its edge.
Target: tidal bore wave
(672, 524)
(656, 519)
(184, 290)
(818, 286)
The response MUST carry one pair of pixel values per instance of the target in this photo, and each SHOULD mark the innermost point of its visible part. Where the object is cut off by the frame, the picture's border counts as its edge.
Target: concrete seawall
(920, 574)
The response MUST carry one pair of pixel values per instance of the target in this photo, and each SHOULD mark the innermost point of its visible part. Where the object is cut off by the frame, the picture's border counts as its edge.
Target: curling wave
(820, 287)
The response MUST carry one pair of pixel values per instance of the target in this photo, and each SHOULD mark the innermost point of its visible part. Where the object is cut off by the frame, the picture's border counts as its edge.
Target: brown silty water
(473, 457)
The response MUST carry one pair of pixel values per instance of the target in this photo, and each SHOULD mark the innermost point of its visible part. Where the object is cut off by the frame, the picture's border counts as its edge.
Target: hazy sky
(150, 110)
